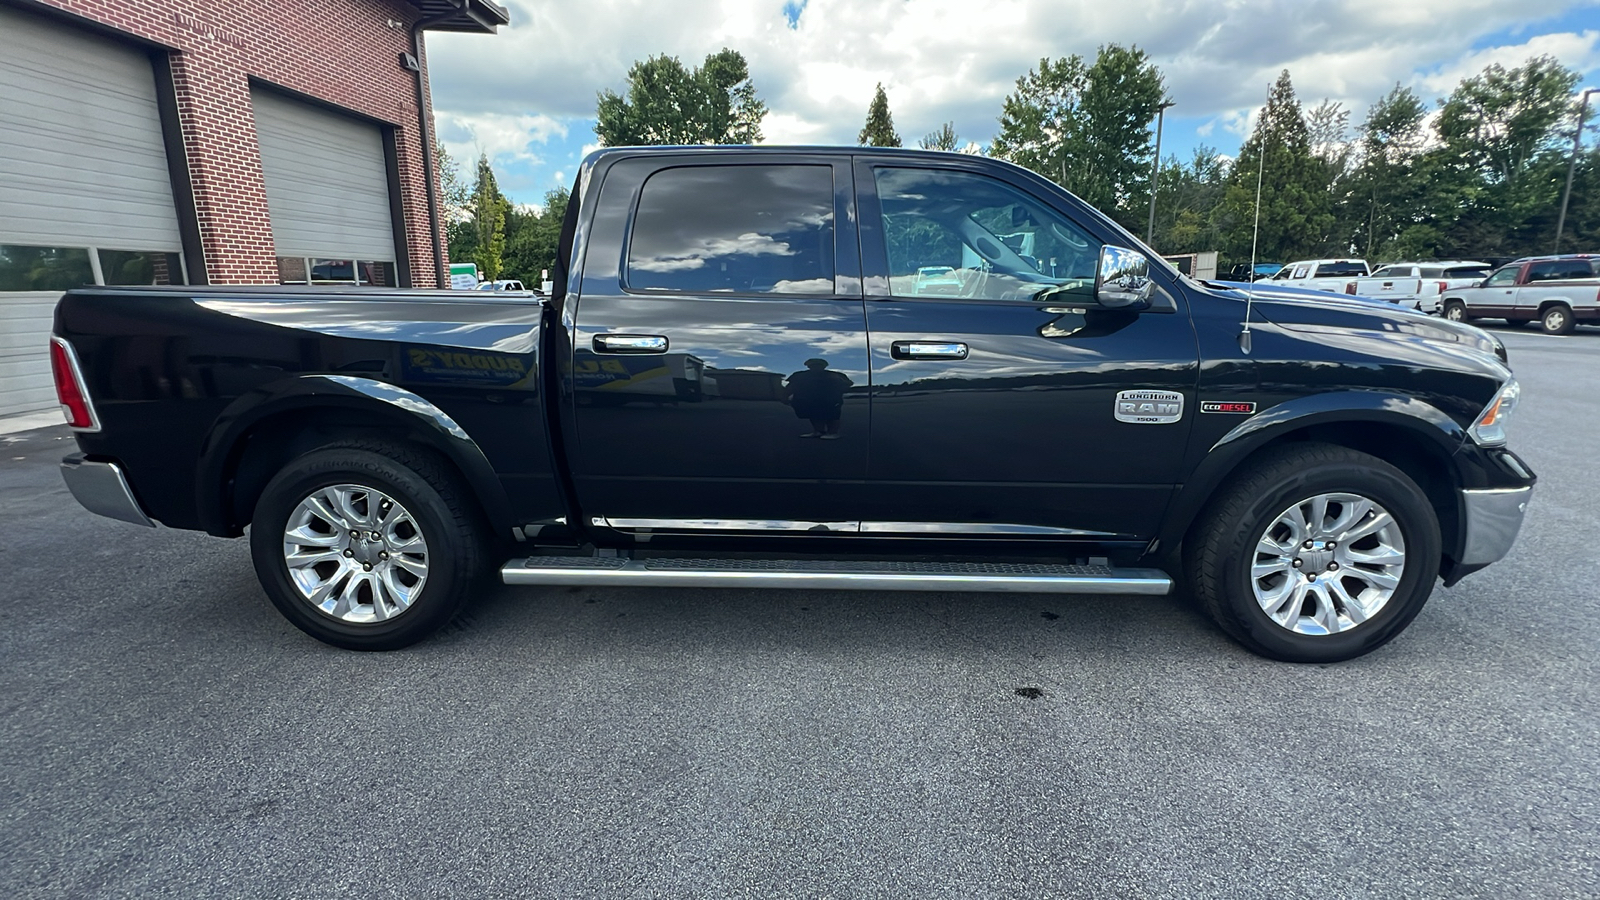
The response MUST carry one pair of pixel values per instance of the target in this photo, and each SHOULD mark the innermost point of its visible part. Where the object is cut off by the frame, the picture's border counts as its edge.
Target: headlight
(1490, 429)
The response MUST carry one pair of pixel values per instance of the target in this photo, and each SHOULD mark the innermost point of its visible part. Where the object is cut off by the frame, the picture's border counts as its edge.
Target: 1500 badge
(1149, 407)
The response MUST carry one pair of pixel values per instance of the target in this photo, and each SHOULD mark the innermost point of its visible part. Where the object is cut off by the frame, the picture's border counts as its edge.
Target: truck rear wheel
(1318, 553)
(1556, 319)
(366, 546)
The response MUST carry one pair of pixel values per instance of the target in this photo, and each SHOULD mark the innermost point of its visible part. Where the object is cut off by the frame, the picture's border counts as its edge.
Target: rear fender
(225, 443)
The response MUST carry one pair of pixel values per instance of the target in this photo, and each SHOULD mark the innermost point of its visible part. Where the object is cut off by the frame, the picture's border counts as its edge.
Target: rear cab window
(734, 229)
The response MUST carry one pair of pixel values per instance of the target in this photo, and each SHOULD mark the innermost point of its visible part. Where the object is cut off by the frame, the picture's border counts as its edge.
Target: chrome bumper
(101, 488)
(1493, 518)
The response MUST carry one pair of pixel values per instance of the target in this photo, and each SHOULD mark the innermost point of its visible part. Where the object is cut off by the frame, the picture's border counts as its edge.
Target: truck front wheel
(1456, 311)
(365, 546)
(1318, 553)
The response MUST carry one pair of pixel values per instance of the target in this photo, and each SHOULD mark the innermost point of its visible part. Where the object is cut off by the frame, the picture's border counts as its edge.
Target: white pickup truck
(1556, 291)
(1321, 274)
(1419, 285)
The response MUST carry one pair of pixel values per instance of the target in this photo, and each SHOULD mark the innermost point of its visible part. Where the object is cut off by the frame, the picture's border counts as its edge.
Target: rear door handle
(630, 343)
(928, 350)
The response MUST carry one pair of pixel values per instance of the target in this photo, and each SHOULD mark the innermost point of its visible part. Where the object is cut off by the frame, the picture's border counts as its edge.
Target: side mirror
(1123, 279)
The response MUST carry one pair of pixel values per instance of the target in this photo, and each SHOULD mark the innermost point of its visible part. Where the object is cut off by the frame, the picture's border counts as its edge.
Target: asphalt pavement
(164, 732)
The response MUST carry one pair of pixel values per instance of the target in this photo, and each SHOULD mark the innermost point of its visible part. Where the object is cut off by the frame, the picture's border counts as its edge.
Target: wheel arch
(260, 432)
(1405, 432)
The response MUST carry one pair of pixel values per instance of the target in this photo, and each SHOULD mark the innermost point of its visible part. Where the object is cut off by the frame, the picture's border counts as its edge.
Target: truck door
(719, 372)
(1498, 295)
(1003, 400)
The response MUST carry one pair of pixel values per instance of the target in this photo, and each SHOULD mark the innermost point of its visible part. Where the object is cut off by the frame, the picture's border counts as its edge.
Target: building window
(317, 270)
(24, 268)
(139, 267)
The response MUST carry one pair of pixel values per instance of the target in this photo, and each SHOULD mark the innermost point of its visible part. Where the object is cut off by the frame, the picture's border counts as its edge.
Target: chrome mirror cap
(1123, 279)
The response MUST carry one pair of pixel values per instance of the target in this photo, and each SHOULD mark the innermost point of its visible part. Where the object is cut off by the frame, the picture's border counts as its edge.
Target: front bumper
(102, 489)
(1493, 516)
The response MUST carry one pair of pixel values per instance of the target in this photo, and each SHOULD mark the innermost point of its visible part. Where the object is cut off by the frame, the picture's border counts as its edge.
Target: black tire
(1221, 548)
(1455, 311)
(1557, 319)
(425, 488)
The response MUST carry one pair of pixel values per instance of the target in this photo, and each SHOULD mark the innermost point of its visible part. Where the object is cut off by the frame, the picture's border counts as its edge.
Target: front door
(719, 369)
(1003, 400)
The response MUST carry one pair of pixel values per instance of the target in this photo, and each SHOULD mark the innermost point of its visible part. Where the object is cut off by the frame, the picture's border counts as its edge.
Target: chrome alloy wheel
(355, 554)
(1328, 563)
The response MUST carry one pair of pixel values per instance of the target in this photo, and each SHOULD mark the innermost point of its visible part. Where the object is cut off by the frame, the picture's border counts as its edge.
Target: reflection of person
(817, 393)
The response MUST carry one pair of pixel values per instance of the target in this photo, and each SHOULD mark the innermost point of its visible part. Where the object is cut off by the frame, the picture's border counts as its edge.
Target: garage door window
(317, 270)
(26, 268)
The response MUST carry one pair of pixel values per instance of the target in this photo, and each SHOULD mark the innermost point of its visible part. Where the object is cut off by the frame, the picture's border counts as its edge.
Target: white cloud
(953, 60)
(504, 137)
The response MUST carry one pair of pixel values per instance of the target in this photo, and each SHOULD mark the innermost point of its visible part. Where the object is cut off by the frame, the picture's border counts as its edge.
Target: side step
(835, 575)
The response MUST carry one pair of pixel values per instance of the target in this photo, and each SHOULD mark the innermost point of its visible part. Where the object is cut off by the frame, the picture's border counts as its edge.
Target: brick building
(211, 142)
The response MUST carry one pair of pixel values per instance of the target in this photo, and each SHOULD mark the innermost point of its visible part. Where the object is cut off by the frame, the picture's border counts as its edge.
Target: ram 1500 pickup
(809, 368)
(1558, 292)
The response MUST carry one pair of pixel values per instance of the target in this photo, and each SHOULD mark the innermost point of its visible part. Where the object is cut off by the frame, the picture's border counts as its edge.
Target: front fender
(1428, 423)
(224, 443)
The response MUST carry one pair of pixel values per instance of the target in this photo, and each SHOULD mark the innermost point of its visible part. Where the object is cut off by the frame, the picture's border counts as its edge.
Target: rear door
(719, 369)
(1003, 400)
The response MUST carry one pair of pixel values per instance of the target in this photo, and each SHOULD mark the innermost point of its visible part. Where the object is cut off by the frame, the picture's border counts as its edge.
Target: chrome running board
(835, 575)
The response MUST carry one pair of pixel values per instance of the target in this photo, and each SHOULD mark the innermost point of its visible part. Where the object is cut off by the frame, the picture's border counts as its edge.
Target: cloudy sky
(527, 95)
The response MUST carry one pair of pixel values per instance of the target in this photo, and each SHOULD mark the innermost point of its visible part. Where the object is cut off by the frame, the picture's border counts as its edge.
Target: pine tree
(489, 208)
(879, 130)
(1296, 206)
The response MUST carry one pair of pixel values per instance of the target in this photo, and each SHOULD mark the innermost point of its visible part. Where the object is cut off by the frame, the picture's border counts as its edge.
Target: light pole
(1155, 170)
(1577, 142)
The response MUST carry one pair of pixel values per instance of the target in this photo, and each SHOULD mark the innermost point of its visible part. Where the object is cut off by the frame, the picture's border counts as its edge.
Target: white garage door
(85, 194)
(327, 193)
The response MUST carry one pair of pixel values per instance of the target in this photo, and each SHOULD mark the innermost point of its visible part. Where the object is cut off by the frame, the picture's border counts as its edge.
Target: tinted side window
(734, 229)
(1504, 276)
(1343, 269)
(957, 234)
(1557, 269)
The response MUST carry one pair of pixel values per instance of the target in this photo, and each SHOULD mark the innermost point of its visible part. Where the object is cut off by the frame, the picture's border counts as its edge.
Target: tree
(879, 130)
(1119, 105)
(533, 237)
(489, 210)
(943, 139)
(1295, 204)
(1087, 127)
(670, 104)
(454, 196)
(1384, 199)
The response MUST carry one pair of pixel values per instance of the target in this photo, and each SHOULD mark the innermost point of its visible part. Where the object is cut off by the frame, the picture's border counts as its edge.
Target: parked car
(1419, 284)
(1078, 419)
(1321, 274)
(511, 285)
(1558, 292)
(1245, 272)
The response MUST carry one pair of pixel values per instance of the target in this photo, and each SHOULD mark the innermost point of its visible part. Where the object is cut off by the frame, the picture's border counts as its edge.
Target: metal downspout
(425, 125)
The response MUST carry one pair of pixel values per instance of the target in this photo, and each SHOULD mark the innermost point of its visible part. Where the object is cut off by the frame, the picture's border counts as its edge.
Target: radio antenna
(1255, 237)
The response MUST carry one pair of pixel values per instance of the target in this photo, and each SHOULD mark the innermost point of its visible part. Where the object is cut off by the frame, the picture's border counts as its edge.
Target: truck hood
(1338, 315)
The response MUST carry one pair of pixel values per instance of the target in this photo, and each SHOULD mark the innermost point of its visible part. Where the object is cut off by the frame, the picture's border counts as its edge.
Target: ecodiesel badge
(1149, 407)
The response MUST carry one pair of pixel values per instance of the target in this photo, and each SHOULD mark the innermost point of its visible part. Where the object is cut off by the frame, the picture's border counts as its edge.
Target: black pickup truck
(809, 367)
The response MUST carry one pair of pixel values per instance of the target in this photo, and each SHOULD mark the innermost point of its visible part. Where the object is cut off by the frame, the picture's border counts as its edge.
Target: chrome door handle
(928, 350)
(630, 343)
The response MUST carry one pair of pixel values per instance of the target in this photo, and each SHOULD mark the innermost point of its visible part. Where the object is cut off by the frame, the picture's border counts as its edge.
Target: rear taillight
(1443, 286)
(70, 391)
(1350, 289)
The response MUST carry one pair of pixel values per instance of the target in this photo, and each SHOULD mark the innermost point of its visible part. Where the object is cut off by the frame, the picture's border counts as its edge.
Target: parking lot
(163, 731)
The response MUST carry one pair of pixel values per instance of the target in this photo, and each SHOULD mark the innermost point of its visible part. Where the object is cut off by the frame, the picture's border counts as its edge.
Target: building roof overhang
(480, 16)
